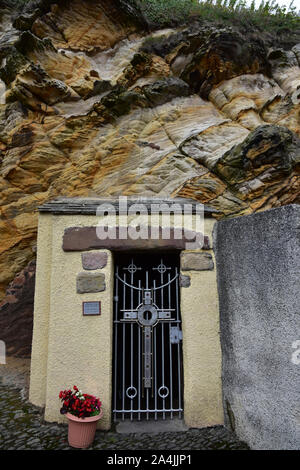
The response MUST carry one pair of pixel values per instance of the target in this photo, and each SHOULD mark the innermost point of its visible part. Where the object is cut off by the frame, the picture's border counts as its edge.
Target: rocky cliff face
(94, 103)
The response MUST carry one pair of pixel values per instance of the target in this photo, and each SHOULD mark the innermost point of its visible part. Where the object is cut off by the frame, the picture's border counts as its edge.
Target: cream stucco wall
(78, 348)
(69, 348)
(201, 348)
(39, 353)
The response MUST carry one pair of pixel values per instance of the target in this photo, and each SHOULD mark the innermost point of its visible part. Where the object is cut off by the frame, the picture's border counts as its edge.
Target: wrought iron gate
(147, 338)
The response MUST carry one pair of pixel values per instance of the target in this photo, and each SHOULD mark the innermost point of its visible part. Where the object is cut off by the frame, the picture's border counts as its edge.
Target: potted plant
(83, 412)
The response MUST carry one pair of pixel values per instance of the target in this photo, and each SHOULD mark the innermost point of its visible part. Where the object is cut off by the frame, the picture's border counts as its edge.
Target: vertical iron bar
(178, 345)
(139, 361)
(162, 341)
(123, 382)
(170, 351)
(131, 336)
(147, 394)
(155, 359)
(116, 340)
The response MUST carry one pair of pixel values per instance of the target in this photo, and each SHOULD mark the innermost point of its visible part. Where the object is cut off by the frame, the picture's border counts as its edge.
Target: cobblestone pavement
(22, 427)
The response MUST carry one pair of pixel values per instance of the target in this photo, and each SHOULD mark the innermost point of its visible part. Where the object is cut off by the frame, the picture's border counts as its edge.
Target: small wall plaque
(91, 308)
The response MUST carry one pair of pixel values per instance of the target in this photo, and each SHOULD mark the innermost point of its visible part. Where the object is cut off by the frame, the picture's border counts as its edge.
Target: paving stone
(34, 434)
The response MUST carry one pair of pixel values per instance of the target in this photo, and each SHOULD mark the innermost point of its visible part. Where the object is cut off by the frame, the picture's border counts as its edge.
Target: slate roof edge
(89, 205)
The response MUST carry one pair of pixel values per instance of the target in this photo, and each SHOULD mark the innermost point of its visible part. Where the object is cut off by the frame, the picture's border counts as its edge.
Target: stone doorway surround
(75, 266)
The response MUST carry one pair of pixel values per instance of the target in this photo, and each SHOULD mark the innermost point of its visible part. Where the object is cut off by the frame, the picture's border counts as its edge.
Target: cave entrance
(147, 362)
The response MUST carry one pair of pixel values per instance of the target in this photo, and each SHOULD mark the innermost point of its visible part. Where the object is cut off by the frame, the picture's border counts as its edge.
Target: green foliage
(168, 12)
(268, 15)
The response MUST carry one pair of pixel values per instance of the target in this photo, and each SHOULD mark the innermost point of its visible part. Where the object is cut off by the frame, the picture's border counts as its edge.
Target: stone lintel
(85, 238)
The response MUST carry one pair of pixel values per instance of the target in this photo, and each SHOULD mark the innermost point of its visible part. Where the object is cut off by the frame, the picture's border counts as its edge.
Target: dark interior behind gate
(148, 376)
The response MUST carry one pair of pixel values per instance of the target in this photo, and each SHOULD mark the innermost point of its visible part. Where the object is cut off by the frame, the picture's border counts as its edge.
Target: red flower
(81, 408)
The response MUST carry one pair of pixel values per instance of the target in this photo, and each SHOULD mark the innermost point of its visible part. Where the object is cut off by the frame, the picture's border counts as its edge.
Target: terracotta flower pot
(82, 430)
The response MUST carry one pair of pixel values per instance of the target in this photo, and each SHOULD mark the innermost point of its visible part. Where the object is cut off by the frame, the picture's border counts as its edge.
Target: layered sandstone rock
(93, 103)
(16, 313)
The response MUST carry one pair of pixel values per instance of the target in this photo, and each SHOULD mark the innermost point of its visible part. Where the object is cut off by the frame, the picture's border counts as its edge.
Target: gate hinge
(175, 335)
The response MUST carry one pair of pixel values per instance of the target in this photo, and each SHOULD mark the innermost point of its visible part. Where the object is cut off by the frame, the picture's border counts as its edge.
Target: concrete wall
(258, 260)
(69, 348)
